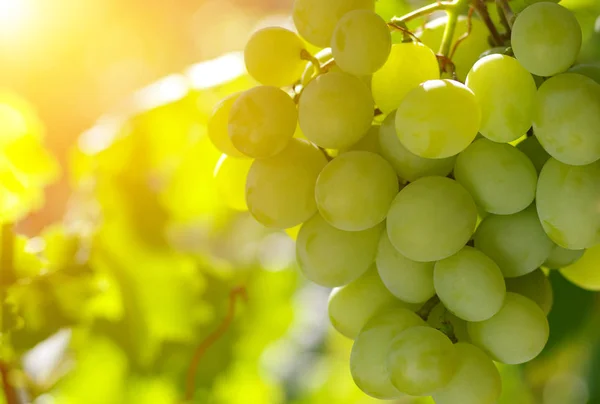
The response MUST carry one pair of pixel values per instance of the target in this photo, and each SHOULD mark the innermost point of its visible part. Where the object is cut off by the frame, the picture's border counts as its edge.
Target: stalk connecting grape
(432, 199)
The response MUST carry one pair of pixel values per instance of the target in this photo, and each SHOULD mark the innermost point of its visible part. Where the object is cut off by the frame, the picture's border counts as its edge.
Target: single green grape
(500, 177)
(546, 38)
(217, 127)
(535, 286)
(408, 65)
(584, 272)
(354, 191)
(562, 257)
(438, 119)
(589, 70)
(230, 175)
(332, 257)
(431, 219)
(534, 150)
(517, 334)
(280, 190)
(335, 110)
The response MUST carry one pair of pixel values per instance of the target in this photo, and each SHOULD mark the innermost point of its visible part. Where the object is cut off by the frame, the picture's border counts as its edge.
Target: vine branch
(424, 11)
(427, 307)
(507, 16)
(10, 394)
(484, 14)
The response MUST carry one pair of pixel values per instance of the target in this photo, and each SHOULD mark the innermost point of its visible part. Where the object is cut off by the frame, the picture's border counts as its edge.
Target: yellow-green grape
(421, 360)
(584, 273)
(332, 257)
(507, 104)
(408, 280)
(431, 219)
(567, 202)
(589, 70)
(354, 191)
(371, 349)
(335, 110)
(369, 142)
(315, 20)
(562, 257)
(262, 121)
(567, 117)
(500, 177)
(280, 190)
(535, 286)
(217, 127)
(517, 334)
(351, 306)
(468, 51)
(273, 57)
(230, 175)
(534, 150)
(361, 42)
(438, 119)
(476, 381)
(408, 65)
(409, 166)
(517, 243)
(441, 318)
(455, 276)
(546, 38)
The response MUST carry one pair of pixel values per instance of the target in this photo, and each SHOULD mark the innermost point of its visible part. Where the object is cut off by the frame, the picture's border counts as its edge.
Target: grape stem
(425, 11)
(484, 14)
(506, 14)
(425, 310)
(453, 12)
(306, 55)
(10, 394)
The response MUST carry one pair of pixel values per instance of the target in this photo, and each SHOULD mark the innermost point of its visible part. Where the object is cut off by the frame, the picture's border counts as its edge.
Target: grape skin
(562, 257)
(534, 150)
(535, 286)
(230, 176)
(217, 127)
(584, 273)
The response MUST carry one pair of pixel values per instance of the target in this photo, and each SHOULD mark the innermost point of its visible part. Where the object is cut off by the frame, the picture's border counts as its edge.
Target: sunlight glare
(13, 15)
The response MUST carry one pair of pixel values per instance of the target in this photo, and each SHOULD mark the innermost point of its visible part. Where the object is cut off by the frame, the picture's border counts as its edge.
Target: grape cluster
(429, 205)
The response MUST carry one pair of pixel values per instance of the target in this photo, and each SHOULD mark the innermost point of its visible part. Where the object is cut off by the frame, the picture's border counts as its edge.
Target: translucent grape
(315, 20)
(333, 257)
(517, 243)
(335, 110)
(369, 142)
(534, 150)
(273, 57)
(280, 190)
(535, 286)
(408, 280)
(506, 93)
(440, 317)
(421, 361)
(584, 272)
(230, 175)
(217, 127)
(262, 121)
(567, 202)
(589, 70)
(517, 334)
(454, 280)
(408, 166)
(361, 42)
(477, 380)
(562, 257)
(500, 177)
(408, 65)
(431, 219)
(566, 118)
(546, 38)
(438, 119)
(354, 191)
(370, 350)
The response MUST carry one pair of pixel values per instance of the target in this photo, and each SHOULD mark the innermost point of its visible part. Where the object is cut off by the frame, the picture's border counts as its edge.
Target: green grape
(371, 348)
(421, 360)
(517, 243)
(517, 334)
(280, 190)
(534, 286)
(567, 202)
(562, 257)
(217, 127)
(534, 150)
(500, 177)
(262, 121)
(431, 219)
(230, 174)
(408, 166)
(546, 38)
(477, 380)
(584, 272)
(315, 20)
(454, 278)
(408, 280)
(351, 306)
(438, 119)
(273, 57)
(467, 53)
(369, 142)
(441, 318)
(354, 191)
(507, 104)
(361, 42)
(589, 70)
(408, 65)
(332, 257)
(567, 117)
(335, 110)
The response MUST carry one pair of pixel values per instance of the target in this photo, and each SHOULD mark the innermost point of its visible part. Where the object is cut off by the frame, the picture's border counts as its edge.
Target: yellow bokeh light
(13, 15)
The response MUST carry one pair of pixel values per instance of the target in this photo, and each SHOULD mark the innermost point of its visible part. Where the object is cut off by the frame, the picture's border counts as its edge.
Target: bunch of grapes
(429, 205)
